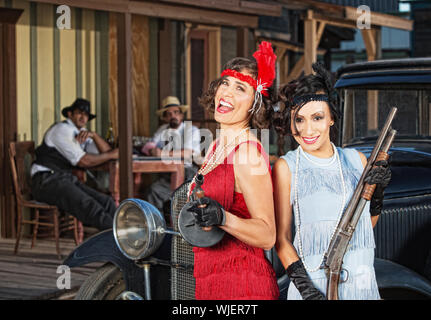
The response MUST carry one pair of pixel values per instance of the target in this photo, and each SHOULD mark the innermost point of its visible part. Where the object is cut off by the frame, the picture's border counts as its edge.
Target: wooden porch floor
(32, 273)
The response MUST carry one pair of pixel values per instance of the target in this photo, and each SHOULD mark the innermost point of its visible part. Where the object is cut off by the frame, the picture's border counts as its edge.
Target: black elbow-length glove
(298, 275)
(380, 176)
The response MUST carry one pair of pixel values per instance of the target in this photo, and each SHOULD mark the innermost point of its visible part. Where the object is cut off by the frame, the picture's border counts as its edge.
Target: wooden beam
(188, 52)
(165, 59)
(347, 15)
(319, 33)
(238, 6)
(124, 47)
(310, 45)
(290, 46)
(260, 8)
(105, 5)
(164, 10)
(369, 38)
(8, 116)
(313, 43)
(380, 19)
(334, 21)
(372, 110)
(197, 15)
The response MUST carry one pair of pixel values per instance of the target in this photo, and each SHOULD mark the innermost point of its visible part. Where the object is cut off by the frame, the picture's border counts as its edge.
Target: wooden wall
(55, 66)
(140, 76)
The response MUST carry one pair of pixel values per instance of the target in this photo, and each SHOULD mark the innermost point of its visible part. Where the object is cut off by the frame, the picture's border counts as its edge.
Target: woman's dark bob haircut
(319, 83)
(258, 120)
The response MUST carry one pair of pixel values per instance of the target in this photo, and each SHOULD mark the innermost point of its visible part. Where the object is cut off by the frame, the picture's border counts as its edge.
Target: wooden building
(125, 56)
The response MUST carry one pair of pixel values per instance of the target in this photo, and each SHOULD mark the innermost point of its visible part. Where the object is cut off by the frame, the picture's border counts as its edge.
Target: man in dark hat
(175, 139)
(65, 146)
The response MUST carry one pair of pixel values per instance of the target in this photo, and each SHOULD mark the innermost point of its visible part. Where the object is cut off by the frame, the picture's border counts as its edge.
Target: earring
(331, 123)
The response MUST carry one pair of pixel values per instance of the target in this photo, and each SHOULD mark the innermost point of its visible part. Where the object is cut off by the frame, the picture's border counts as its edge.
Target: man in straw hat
(176, 139)
(65, 146)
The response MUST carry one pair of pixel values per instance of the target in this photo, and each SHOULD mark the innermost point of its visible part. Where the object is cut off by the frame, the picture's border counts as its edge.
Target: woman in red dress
(238, 186)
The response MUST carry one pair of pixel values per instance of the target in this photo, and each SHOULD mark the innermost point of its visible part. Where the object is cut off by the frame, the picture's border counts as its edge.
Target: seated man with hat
(65, 146)
(174, 139)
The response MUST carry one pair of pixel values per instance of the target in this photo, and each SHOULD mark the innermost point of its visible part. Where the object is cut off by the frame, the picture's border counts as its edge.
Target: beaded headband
(301, 100)
(265, 59)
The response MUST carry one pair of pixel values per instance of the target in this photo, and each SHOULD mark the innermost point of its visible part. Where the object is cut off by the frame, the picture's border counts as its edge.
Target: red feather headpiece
(265, 59)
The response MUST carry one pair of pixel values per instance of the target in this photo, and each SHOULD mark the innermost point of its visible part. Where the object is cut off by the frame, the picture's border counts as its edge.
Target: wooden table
(143, 165)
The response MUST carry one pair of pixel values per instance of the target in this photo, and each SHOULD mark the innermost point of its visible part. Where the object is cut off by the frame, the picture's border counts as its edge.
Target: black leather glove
(211, 215)
(380, 176)
(298, 275)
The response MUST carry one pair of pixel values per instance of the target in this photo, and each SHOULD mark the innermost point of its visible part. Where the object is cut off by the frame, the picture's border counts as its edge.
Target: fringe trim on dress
(316, 236)
(216, 278)
(314, 180)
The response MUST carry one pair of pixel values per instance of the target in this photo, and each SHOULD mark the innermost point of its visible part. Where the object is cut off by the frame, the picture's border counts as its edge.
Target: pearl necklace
(213, 161)
(317, 163)
(297, 221)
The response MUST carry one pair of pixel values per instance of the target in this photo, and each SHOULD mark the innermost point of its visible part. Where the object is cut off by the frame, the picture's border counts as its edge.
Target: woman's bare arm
(253, 180)
(283, 213)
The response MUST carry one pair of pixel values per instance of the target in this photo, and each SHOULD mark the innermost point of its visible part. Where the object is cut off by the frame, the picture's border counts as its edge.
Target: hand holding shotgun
(374, 179)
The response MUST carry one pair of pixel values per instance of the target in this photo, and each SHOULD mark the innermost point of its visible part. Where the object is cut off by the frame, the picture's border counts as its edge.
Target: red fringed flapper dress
(231, 269)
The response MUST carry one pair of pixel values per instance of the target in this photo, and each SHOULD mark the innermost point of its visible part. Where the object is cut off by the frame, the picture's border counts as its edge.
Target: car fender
(102, 248)
(391, 275)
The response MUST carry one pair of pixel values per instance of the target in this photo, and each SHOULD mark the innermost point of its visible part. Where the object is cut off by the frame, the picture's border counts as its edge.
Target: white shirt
(186, 136)
(61, 136)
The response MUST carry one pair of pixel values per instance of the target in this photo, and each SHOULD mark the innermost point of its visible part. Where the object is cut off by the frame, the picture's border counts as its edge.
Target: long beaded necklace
(297, 221)
(216, 156)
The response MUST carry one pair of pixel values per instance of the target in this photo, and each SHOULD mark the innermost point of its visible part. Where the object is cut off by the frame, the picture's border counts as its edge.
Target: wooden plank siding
(140, 74)
(67, 61)
(23, 70)
(45, 69)
(54, 67)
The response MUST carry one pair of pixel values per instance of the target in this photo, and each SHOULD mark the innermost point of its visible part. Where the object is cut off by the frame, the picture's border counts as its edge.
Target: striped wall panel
(23, 71)
(55, 66)
(44, 68)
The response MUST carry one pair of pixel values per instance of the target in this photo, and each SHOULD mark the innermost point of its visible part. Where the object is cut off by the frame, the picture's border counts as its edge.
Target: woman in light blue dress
(312, 186)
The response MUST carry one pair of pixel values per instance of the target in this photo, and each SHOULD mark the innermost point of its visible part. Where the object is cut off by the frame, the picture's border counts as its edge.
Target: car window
(365, 112)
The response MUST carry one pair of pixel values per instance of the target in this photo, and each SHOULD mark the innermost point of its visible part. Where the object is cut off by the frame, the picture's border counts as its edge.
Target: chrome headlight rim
(154, 221)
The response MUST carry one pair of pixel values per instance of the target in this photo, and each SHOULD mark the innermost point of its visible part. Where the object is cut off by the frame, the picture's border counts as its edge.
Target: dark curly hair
(258, 120)
(321, 82)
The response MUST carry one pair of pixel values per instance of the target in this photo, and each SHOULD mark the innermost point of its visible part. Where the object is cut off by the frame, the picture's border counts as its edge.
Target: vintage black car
(145, 257)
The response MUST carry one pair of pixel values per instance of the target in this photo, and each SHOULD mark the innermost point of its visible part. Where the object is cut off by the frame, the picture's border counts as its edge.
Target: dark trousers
(159, 192)
(65, 191)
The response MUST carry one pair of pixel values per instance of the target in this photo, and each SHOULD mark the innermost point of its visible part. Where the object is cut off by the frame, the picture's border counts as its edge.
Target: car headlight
(138, 228)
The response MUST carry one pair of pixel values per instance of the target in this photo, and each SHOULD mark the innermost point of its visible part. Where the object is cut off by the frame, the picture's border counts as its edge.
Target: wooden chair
(21, 155)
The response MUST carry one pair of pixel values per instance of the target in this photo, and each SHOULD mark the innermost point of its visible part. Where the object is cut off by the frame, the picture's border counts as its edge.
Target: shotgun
(333, 258)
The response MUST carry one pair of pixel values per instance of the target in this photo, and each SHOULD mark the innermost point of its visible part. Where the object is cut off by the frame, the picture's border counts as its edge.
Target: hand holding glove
(380, 176)
(298, 275)
(210, 214)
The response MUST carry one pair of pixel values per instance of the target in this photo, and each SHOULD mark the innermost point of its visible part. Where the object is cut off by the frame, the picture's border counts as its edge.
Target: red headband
(265, 59)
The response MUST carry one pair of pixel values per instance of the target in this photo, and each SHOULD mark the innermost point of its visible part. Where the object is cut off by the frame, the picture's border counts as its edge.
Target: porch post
(124, 45)
(8, 116)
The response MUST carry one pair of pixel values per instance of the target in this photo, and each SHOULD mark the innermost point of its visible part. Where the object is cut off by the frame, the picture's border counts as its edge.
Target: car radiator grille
(182, 280)
(403, 235)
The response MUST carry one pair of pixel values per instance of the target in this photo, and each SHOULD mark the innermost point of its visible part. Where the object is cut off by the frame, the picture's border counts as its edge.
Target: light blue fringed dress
(320, 198)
